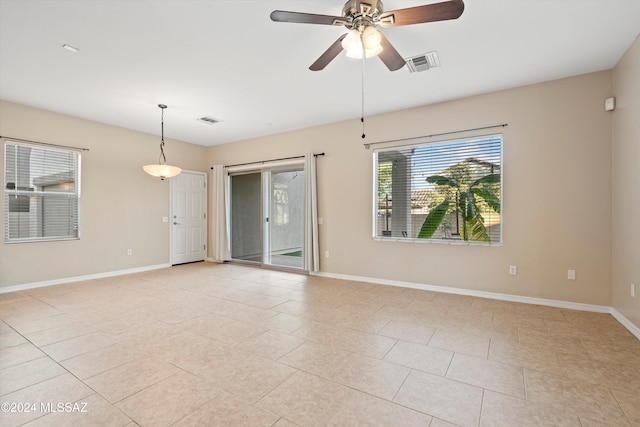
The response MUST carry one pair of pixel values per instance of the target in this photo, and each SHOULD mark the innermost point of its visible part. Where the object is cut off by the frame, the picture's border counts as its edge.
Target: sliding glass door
(246, 217)
(284, 236)
(267, 216)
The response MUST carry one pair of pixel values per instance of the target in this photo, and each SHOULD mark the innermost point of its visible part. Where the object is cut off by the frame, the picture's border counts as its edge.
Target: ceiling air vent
(424, 62)
(208, 120)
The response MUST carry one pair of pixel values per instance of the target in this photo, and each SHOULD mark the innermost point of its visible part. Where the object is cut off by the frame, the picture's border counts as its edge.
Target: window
(443, 191)
(41, 193)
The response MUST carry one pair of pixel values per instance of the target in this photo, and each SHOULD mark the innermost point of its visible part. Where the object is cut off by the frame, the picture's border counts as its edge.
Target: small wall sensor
(610, 104)
(71, 48)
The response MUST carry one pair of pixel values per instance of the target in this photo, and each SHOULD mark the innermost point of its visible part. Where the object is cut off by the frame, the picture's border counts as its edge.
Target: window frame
(435, 240)
(9, 192)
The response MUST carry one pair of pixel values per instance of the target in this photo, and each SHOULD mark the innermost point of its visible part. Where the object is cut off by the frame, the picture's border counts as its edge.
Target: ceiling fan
(361, 17)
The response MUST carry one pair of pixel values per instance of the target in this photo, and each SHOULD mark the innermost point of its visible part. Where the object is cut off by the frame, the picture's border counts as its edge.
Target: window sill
(456, 242)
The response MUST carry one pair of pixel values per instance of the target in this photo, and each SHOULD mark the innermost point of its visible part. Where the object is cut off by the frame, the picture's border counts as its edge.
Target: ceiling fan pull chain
(362, 87)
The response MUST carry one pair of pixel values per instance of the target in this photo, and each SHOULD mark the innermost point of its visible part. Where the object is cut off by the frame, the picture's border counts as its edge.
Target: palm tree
(467, 198)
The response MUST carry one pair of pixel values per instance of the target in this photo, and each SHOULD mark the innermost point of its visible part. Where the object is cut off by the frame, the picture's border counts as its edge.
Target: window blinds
(448, 190)
(42, 192)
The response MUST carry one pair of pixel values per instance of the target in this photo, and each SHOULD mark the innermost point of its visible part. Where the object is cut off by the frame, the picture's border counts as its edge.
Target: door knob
(176, 223)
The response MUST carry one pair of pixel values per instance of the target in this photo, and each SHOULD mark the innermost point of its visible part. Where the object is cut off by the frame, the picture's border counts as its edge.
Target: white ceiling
(226, 59)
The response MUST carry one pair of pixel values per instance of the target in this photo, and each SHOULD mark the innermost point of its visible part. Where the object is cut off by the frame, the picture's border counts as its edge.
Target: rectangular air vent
(208, 120)
(424, 62)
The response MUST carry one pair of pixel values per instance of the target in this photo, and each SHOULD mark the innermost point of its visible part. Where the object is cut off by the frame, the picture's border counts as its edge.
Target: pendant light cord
(162, 159)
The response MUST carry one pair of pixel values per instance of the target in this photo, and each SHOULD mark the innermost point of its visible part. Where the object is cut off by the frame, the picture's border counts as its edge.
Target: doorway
(267, 216)
(188, 217)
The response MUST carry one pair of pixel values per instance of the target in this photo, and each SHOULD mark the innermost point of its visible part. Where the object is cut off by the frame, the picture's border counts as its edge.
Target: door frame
(206, 212)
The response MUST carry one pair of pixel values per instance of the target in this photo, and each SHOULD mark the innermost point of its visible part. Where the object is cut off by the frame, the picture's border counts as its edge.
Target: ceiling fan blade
(390, 55)
(328, 55)
(442, 11)
(306, 18)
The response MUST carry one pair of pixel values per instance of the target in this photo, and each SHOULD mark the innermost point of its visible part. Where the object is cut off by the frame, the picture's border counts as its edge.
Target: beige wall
(626, 185)
(557, 191)
(121, 206)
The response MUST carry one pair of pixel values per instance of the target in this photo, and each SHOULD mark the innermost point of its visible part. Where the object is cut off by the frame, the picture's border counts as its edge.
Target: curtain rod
(45, 143)
(369, 144)
(272, 160)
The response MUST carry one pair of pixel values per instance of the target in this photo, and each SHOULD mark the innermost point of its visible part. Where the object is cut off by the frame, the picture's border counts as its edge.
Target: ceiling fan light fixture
(162, 170)
(371, 38)
(352, 43)
(356, 52)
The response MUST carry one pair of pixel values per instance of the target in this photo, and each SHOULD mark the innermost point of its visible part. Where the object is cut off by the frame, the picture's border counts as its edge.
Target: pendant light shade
(162, 170)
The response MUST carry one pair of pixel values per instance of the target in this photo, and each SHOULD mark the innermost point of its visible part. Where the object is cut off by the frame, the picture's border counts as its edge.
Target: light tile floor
(229, 345)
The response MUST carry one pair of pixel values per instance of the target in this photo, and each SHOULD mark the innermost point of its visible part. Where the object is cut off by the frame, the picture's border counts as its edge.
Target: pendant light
(162, 170)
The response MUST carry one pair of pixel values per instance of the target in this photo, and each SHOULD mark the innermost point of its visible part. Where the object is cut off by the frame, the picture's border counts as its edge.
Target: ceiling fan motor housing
(361, 14)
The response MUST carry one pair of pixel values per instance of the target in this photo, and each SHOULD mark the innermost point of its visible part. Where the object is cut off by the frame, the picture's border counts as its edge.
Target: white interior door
(188, 217)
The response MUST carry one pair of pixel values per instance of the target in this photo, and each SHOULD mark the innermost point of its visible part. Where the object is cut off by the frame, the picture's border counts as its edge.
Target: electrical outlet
(571, 275)
(633, 290)
(513, 270)
(326, 254)
(320, 221)
(129, 251)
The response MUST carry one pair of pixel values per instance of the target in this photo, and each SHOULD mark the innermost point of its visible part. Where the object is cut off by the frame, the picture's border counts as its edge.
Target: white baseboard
(469, 292)
(65, 280)
(626, 322)
(494, 295)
